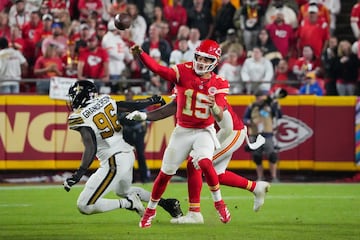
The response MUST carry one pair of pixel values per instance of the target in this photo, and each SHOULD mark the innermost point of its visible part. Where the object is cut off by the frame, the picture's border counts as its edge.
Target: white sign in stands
(59, 87)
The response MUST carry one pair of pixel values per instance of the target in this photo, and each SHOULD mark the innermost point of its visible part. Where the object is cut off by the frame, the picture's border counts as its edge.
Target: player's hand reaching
(155, 99)
(69, 182)
(137, 116)
(74, 179)
(136, 50)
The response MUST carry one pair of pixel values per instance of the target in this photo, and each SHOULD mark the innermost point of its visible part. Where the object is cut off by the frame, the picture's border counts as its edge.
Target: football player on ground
(96, 118)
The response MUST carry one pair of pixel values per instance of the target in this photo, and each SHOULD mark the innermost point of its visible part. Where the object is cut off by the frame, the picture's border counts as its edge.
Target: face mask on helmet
(210, 50)
(81, 93)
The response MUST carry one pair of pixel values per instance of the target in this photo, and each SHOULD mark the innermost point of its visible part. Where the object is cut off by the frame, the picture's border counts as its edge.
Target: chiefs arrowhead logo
(291, 132)
(93, 60)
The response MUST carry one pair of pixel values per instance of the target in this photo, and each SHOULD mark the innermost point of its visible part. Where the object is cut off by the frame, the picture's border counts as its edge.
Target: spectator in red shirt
(41, 34)
(323, 12)
(301, 2)
(176, 15)
(47, 66)
(307, 63)
(314, 26)
(87, 7)
(5, 30)
(28, 32)
(5, 5)
(355, 20)
(285, 79)
(16, 40)
(281, 34)
(94, 63)
(56, 6)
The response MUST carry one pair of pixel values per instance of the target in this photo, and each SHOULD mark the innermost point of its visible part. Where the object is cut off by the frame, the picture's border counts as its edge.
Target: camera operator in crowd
(260, 117)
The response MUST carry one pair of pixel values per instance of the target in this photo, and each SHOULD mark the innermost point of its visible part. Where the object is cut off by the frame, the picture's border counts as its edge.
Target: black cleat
(172, 206)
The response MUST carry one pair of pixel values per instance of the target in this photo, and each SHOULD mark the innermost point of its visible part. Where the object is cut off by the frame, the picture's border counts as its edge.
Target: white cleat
(136, 204)
(260, 191)
(189, 218)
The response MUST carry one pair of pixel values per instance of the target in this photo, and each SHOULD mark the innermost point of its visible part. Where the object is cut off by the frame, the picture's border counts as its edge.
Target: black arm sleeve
(162, 112)
(129, 106)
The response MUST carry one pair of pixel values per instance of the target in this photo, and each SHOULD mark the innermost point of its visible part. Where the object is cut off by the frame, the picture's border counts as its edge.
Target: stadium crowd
(265, 44)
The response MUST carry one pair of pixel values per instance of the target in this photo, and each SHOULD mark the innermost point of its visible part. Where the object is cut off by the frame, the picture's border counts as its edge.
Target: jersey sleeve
(75, 121)
(166, 73)
(222, 92)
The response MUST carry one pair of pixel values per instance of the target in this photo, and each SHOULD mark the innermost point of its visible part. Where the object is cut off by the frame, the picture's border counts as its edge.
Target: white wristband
(215, 109)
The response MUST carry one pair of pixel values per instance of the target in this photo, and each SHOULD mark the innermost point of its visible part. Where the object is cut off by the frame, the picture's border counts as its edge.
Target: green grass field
(291, 211)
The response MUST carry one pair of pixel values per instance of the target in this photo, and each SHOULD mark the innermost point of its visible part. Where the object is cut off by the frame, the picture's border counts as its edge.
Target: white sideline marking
(290, 197)
(23, 187)
(5, 205)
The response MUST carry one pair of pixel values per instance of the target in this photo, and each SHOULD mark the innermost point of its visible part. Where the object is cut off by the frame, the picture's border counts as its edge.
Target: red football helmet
(208, 49)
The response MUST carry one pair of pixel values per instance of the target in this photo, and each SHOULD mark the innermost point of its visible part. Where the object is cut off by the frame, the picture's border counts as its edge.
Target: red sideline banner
(316, 133)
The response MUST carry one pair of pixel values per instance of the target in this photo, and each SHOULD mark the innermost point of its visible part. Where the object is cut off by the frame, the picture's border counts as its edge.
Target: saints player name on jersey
(101, 102)
(101, 116)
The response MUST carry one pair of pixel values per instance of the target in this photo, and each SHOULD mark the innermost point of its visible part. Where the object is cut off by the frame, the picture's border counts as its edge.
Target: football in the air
(122, 21)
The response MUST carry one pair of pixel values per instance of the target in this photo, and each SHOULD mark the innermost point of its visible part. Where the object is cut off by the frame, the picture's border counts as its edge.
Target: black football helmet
(80, 93)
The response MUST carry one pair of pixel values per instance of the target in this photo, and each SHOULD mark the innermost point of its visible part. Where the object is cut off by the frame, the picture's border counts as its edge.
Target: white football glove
(137, 116)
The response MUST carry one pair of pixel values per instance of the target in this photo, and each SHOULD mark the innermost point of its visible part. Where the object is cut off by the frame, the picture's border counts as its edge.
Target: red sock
(210, 174)
(233, 180)
(194, 186)
(159, 186)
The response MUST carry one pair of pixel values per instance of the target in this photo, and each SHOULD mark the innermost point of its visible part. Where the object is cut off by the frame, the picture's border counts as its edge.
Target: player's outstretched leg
(172, 206)
(136, 204)
(260, 191)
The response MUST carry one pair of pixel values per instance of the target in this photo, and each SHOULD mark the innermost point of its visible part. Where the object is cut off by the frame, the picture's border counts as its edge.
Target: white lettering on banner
(291, 132)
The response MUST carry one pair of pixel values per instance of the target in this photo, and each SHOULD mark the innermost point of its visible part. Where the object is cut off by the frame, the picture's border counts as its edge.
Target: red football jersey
(237, 122)
(192, 92)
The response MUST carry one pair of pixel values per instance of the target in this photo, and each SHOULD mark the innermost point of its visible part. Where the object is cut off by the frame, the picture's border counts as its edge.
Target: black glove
(74, 179)
(155, 99)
